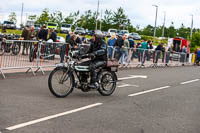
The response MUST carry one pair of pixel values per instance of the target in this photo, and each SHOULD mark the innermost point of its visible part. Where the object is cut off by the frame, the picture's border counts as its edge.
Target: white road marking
(127, 85)
(191, 81)
(148, 91)
(52, 116)
(133, 77)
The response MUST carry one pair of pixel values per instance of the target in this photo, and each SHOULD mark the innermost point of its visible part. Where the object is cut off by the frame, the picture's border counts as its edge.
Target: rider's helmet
(98, 35)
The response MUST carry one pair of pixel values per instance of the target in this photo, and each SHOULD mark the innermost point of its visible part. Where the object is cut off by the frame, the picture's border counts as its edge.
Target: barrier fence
(35, 55)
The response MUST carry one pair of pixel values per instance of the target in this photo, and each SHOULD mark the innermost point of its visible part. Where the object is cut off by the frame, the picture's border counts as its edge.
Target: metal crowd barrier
(148, 57)
(30, 55)
(36, 55)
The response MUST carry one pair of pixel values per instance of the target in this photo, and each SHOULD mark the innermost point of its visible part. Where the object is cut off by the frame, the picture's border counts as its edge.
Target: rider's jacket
(99, 49)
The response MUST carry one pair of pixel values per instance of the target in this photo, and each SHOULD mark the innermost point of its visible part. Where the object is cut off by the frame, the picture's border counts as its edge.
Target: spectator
(32, 33)
(78, 39)
(43, 33)
(133, 48)
(125, 49)
(118, 45)
(68, 36)
(168, 52)
(158, 51)
(138, 50)
(198, 57)
(144, 51)
(53, 35)
(84, 40)
(111, 43)
(72, 42)
(183, 55)
(26, 36)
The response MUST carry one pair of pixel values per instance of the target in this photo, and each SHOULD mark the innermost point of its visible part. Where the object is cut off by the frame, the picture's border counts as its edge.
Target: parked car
(37, 27)
(52, 25)
(124, 32)
(60, 39)
(135, 36)
(89, 32)
(65, 28)
(79, 30)
(110, 31)
(9, 25)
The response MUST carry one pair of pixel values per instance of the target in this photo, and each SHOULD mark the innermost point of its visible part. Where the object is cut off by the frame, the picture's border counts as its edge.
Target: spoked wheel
(15, 49)
(1, 48)
(60, 83)
(107, 83)
(31, 55)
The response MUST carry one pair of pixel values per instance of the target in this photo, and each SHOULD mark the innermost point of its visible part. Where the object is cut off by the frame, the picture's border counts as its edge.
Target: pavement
(162, 100)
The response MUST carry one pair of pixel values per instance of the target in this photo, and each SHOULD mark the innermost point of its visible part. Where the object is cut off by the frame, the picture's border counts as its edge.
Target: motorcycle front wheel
(60, 82)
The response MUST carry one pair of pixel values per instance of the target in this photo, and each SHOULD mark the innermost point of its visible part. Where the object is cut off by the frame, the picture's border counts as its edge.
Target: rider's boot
(93, 84)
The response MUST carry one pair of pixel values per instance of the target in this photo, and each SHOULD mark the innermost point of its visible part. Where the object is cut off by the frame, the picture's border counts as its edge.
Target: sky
(140, 12)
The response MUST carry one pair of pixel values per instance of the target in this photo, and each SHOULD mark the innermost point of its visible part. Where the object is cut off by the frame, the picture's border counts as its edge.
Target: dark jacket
(99, 49)
(67, 37)
(26, 34)
(72, 42)
(43, 34)
(119, 42)
(131, 43)
(78, 40)
(53, 36)
(160, 48)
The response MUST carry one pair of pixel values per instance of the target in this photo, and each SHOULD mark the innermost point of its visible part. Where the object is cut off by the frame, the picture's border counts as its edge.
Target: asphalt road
(164, 100)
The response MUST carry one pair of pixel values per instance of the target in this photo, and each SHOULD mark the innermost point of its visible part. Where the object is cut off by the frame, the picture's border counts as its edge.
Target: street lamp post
(97, 15)
(154, 35)
(191, 28)
(163, 31)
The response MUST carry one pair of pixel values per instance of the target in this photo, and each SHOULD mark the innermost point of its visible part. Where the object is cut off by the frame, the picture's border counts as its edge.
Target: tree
(148, 31)
(44, 17)
(171, 31)
(119, 18)
(12, 17)
(107, 21)
(195, 39)
(56, 17)
(87, 20)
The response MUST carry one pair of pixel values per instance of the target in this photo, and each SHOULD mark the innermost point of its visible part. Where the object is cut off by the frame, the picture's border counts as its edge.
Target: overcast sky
(141, 12)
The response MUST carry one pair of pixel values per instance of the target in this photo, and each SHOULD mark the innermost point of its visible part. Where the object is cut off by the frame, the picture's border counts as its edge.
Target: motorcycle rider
(98, 54)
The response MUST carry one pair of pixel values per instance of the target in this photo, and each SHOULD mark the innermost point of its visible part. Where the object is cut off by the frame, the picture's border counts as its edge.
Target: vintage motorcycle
(67, 76)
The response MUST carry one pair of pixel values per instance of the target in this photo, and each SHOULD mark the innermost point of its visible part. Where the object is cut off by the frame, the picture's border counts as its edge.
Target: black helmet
(98, 35)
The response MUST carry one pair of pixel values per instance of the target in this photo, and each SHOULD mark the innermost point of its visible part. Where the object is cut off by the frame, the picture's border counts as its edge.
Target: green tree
(119, 18)
(195, 39)
(12, 17)
(57, 17)
(44, 17)
(172, 31)
(148, 30)
(107, 21)
(87, 20)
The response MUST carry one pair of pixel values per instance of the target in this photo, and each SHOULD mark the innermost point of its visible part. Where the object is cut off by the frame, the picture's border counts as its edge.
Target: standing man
(53, 35)
(118, 45)
(144, 50)
(111, 43)
(26, 36)
(125, 49)
(43, 33)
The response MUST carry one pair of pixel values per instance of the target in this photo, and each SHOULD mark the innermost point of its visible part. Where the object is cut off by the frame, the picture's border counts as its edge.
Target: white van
(65, 28)
(110, 31)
